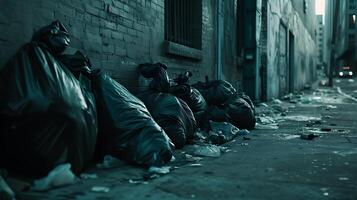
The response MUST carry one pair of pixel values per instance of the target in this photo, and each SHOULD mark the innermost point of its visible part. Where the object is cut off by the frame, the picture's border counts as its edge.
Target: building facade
(263, 47)
(288, 49)
(340, 36)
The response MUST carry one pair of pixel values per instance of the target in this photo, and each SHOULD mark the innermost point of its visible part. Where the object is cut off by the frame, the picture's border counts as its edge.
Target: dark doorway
(283, 60)
(291, 62)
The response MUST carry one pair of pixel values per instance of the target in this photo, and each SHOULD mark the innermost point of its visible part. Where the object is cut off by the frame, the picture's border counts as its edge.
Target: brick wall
(116, 34)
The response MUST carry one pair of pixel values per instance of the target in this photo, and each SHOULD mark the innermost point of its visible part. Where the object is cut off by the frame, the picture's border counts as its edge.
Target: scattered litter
(59, 176)
(243, 132)
(195, 165)
(266, 126)
(191, 158)
(110, 162)
(325, 194)
(159, 170)
(89, 176)
(138, 182)
(343, 179)
(308, 136)
(329, 107)
(244, 144)
(277, 101)
(209, 150)
(302, 118)
(100, 189)
(287, 136)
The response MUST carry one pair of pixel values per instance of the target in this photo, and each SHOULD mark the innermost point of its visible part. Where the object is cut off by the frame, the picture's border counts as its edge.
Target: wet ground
(270, 163)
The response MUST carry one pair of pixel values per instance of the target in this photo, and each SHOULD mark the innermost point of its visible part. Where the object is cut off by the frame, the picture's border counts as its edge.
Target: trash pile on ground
(60, 115)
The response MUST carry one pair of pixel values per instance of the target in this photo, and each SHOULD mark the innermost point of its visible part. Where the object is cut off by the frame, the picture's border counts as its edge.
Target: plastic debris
(205, 150)
(266, 126)
(195, 165)
(191, 158)
(159, 170)
(88, 176)
(100, 189)
(110, 162)
(243, 132)
(60, 176)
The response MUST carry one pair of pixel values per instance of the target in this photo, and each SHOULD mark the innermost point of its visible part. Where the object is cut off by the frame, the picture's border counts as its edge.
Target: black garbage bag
(47, 116)
(78, 64)
(236, 111)
(180, 88)
(191, 96)
(172, 114)
(222, 132)
(156, 76)
(215, 92)
(55, 36)
(126, 128)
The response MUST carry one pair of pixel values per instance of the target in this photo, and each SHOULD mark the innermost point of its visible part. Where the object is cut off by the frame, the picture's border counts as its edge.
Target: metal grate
(183, 22)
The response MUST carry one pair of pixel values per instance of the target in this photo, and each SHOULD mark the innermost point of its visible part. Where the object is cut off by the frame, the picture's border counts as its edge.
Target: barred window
(183, 22)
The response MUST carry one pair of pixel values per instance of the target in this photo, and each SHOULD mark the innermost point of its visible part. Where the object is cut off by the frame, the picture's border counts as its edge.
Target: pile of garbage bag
(56, 109)
(170, 112)
(48, 116)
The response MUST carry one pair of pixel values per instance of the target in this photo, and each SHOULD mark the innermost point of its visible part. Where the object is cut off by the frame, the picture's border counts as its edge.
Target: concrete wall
(280, 14)
(118, 35)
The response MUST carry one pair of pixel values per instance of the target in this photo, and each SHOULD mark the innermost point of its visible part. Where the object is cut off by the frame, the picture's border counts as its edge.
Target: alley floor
(268, 163)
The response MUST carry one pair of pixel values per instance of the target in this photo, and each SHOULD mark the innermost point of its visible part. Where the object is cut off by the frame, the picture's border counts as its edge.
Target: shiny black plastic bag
(191, 96)
(235, 110)
(126, 128)
(156, 76)
(172, 114)
(215, 92)
(47, 116)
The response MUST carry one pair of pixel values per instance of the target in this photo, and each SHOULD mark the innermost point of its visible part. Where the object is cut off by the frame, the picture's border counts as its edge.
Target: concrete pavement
(273, 164)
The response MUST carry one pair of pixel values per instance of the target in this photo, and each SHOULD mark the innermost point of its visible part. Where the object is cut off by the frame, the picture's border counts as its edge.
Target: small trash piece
(60, 176)
(308, 136)
(159, 170)
(343, 178)
(243, 132)
(191, 158)
(100, 189)
(110, 162)
(206, 150)
(89, 176)
(195, 165)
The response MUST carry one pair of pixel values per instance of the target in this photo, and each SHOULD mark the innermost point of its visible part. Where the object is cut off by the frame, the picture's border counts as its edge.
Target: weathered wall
(117, 35)
(281, 13)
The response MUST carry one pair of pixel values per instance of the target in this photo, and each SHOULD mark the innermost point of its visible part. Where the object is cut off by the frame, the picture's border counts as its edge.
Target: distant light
(350, 73)
(341, 73)
(354, 19)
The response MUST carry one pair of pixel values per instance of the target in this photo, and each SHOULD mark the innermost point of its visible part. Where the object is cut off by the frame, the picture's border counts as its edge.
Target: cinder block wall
(117, 35)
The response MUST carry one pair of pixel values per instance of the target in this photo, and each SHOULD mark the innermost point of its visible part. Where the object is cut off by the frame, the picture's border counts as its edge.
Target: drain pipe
(219, 38)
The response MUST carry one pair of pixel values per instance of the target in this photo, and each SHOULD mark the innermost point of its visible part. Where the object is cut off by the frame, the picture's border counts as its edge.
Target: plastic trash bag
(55, 36)
(240, 112)
(215, 92)
(222, 132)
(47, 117)
(181, 89)
(126, 129)
(156, 76)
(172, 114)
(59, 176)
